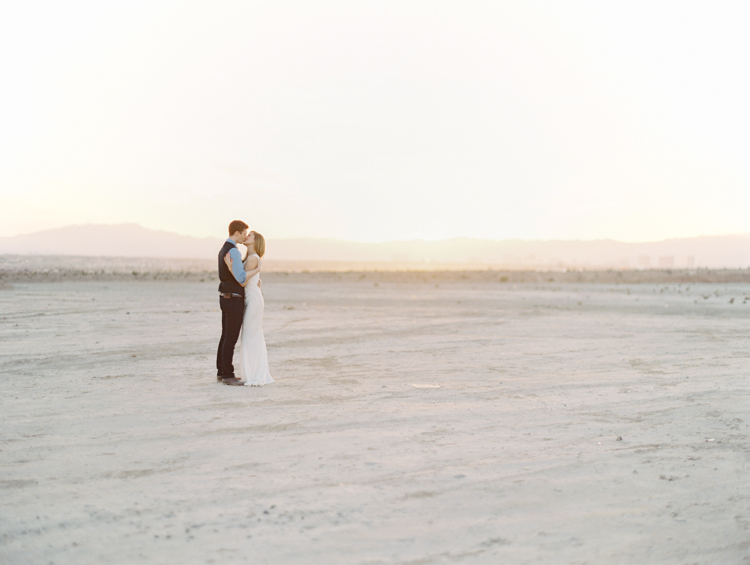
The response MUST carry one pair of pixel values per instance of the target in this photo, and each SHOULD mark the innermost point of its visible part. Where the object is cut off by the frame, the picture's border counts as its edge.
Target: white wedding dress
(253, 355)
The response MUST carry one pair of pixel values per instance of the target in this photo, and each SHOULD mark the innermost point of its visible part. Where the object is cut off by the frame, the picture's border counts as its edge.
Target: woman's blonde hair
(260, 243)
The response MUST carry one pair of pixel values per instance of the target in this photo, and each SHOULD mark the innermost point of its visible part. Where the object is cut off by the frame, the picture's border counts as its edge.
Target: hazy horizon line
(372, 242)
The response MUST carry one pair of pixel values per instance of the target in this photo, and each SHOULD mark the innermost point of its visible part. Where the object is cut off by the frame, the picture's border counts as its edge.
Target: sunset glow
(378, 121)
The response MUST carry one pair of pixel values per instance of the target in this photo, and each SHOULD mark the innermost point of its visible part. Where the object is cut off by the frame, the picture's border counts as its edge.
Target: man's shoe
(231, 381)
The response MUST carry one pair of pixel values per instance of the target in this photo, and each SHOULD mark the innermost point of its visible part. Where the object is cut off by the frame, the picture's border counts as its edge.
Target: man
(232, 301)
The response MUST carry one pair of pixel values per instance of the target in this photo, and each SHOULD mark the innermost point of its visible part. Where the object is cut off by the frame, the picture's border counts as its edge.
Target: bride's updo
(260, 243)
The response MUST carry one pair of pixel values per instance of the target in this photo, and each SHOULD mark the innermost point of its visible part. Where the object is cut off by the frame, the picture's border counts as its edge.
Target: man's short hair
(237, 226)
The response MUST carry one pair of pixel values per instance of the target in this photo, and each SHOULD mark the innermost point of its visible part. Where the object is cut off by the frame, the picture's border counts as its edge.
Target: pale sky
(377, 121)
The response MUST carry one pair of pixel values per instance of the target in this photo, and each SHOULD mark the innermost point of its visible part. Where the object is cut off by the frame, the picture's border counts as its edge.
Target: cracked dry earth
(410, 423)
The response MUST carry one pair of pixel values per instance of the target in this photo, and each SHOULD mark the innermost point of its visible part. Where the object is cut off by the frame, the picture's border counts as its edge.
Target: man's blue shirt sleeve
(237, 268)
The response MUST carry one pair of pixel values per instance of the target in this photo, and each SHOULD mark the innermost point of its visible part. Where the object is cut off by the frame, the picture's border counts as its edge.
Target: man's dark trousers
(232, 311)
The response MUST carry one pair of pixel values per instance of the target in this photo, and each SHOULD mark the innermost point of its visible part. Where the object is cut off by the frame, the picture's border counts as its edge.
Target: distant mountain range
(132, 240)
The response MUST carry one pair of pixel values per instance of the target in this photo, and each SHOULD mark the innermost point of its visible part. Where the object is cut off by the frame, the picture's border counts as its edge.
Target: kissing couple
(242, 309)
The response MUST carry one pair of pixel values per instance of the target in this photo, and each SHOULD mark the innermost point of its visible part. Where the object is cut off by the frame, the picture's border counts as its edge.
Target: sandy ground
(410, 423)
(62, 268)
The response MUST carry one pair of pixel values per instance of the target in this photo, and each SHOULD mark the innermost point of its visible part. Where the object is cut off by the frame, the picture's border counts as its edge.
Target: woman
(253, 355)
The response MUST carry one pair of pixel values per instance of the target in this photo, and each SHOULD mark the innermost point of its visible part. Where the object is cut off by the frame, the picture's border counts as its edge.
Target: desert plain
(416, 420)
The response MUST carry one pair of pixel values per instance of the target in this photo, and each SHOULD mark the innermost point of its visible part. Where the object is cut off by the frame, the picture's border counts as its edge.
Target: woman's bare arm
(248, 273)
(251, 264)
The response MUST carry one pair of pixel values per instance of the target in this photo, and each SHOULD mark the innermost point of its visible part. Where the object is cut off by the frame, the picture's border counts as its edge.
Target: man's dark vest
(228, 282)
